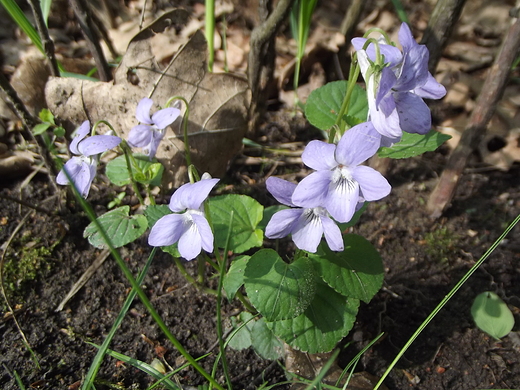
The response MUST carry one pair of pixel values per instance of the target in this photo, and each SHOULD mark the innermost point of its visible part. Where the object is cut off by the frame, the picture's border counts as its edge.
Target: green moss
(440, 244)
(29, 259)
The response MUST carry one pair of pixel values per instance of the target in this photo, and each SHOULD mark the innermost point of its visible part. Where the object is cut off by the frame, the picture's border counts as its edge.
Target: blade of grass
(142, 296)
(98, 359)
(356, 358)
(21, 20)
(401, 13)
(19, 381)
(140, 365)
(446, 299)
(186, 365)
(46, 9)
(323, 371)
(220, 335)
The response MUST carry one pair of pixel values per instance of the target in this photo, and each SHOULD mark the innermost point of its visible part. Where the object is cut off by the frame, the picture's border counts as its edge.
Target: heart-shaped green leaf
(234, 279)
(356, 272)
(328, 319)
(247, 214)
(324, 104)
(120, 227)
(279, 290)
(146, 172)
(264, 341)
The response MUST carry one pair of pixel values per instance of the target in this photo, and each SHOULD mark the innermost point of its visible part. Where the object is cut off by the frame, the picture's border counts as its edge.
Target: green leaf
(119, 226)
(241, 339)
(234, 279)
(328, 319)
(357, 272)
(247, 215)
(279, 290)
(59, 131)
(414, 144)
(22, 22)
(46, 9)
(46, 116)
(41, 128)
(324, 104)
(492, 315)
(264, 341)
(148, 172)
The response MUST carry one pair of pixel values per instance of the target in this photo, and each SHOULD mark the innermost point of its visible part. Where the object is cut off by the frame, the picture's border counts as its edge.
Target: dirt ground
(423, 260)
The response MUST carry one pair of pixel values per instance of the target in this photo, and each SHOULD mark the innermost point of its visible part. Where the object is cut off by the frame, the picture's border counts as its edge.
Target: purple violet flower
(191, 228)
(340, 183)
(396, 92)
(307, 225)
(150, 132)
(82, 167)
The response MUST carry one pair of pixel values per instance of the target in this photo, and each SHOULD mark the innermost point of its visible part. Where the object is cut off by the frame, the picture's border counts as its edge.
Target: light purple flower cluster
(190, 229)
(150, 132)
(396, 91)
(81, 168)
(338, 187)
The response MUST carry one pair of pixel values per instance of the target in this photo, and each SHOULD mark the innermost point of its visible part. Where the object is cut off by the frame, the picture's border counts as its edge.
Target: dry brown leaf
(218, 103)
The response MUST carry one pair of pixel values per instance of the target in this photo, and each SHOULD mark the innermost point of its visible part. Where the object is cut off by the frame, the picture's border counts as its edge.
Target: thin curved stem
(446, 299)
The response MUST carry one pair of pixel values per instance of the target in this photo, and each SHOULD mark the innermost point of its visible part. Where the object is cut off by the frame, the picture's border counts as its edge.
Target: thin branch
(48, 44)
(440, 27)
(261, 57)
(28, 123)
(492, 91)
(85, 20)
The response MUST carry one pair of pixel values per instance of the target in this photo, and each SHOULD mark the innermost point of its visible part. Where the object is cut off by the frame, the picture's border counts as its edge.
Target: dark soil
(45, 254)
(423, 260)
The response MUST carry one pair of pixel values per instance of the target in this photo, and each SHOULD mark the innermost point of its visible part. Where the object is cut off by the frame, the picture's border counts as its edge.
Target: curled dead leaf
(218, 103)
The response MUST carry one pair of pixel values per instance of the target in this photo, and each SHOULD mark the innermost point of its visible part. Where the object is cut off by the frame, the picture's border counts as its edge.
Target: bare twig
(27, 204)
(261, 57)
(84, 278)
(48, 44)
(85, 20)
(101, 29)
(440, 27)
(28, 122)
(484, 109)
(16, 104)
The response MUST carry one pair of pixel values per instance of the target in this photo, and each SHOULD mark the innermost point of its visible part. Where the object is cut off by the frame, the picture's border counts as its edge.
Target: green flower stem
(142, 296)
(184, 125)
(150, 195)
(128, 155)
(246, 302)
(190, 278)
(98, 359)
(201, 269)
(210, 32)
(183, 271)
(353, 76)
(380, 31)
(220, 333)
(447, 298)
(157, 318)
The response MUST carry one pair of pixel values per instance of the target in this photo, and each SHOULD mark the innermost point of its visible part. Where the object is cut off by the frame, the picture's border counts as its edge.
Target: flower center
(342, 180)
